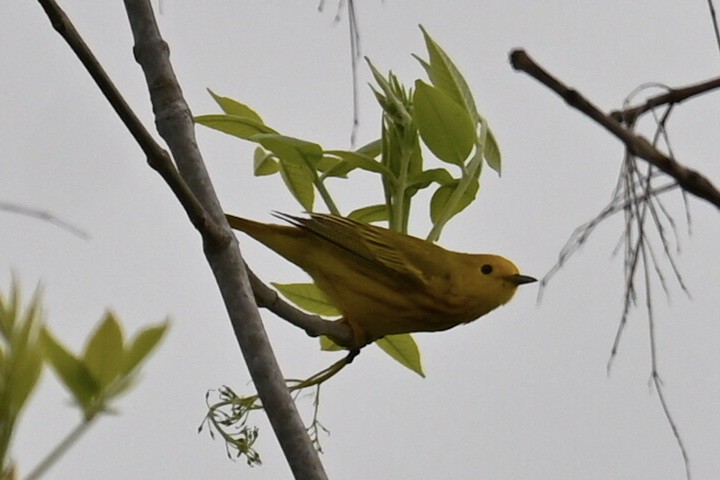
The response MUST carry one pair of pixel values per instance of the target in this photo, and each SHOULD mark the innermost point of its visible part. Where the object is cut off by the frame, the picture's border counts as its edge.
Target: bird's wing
(364, 241)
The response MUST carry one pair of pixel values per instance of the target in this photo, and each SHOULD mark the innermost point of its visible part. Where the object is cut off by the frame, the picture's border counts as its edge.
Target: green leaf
(20, 354)
(425, 178)
(233, 107)
(371, 214)
(329, 162)
(105, 352)
(492, 152)
(297, 159)
(387, 94)
(445, 127)
(327, 345)
(441, 197)
(393, 98)
(353, 160)
(142, 346)
(308, 297)
(9, 312)
(71, 370)
(264, 163)
(299, 180)
(290, 147)
(403, 349)
(24, 374)
(372, 149)
(445, 75)
(241, 127)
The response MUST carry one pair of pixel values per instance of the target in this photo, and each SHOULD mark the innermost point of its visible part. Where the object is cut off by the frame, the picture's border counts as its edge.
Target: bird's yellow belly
(381, 306)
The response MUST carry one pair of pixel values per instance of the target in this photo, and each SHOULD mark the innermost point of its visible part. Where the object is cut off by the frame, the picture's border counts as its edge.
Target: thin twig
(655, 376)
(713, 17)
(313, 325)
(636, 196)
(60, 449)
(672, 96)
(45, 216)
(688, 179)
(157, 157)
(355, 55)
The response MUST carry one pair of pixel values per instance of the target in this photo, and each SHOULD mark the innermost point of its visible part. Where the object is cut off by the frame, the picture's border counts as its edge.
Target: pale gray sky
(522, 393)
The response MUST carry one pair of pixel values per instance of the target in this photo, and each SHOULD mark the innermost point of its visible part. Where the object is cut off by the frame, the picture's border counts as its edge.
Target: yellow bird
(385, 282)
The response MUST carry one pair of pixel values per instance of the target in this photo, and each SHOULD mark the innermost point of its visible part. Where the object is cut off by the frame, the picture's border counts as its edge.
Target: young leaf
(105, 351)
(331, 163)
(290, 148)
(264, 163)
(403, 349)
(371, 214)
(297, 158)
(327, 345)
(445, 75)
(492, 152)
(142, 345)
(372, 149)
(241, 127)
(445, 127)
(441, 197)
(393, 98)
(24, 374)
(9, 312)
(299, 180)
(353, 160)
(425, 178)
(233, 107)
(308, 297)
(70, 369)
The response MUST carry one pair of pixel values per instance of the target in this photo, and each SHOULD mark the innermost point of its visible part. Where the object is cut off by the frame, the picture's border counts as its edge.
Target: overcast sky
(522, 393)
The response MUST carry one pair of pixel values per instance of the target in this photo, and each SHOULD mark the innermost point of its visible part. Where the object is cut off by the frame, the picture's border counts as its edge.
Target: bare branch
(157, 157)
(45, 216)
(688, 179)
(713, 17)
(673, 96)
(655, 375)
(314, 325)
(192, 185)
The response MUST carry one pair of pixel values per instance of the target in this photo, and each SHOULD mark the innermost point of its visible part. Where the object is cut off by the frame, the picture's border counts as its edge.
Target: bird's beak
(519, 279)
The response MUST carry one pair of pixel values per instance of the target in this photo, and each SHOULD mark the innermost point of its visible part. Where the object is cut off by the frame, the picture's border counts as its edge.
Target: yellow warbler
(385, 282)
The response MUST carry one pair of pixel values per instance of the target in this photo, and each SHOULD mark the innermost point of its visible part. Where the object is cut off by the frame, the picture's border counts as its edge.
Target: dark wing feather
(367, 242)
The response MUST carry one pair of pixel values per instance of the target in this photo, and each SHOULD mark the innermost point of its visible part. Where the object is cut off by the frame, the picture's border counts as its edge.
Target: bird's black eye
(486, 269)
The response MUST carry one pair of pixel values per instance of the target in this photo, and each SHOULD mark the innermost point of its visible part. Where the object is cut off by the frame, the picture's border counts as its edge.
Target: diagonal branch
(314, 325)
(688, 179)
(671, 97)
(191, 184)
(157, 157)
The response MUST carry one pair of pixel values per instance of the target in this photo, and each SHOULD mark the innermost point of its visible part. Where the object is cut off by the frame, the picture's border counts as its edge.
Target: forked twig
(637, 196)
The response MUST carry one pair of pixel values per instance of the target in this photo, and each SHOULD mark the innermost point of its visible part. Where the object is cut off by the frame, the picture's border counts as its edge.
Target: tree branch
(628, 116)
(314, 325)
(689, 180)
(192, 185)
(157, 157)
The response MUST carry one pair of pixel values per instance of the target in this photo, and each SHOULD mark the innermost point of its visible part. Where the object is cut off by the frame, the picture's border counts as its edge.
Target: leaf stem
(470, 173)
(60, 449)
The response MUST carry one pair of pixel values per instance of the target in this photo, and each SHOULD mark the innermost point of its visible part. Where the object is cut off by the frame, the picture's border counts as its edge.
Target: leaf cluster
(107, 368)
(440, 117)
(21, 364)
